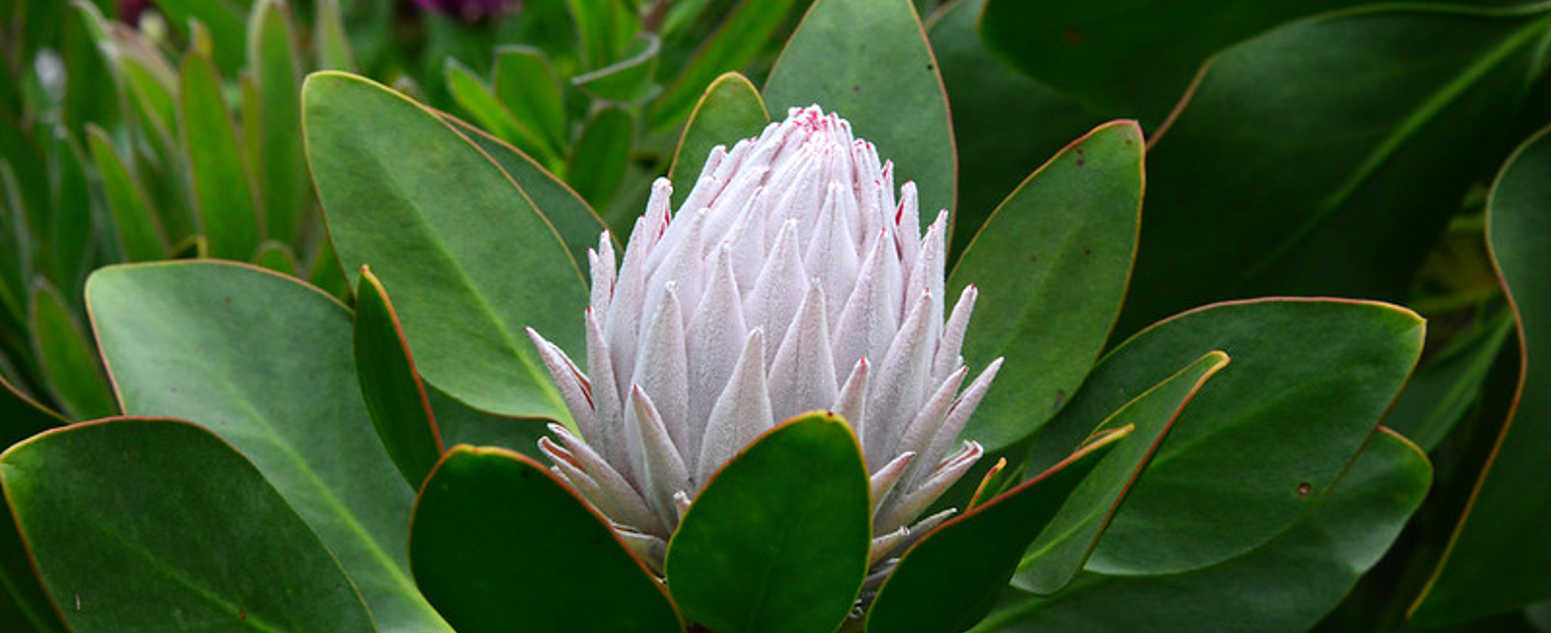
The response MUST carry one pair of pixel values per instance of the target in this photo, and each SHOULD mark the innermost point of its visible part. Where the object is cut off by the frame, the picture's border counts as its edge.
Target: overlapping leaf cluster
(238, 448)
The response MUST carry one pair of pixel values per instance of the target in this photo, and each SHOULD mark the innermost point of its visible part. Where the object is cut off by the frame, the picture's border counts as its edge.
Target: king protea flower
(790, 280)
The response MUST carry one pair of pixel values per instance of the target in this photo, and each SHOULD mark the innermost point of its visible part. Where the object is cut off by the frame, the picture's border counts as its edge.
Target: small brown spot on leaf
(242, 614)
(1033, 258)
(1305, 488)
(856, 87)
(1087, 250)
(1081, 161)
(1072, 37)
(226, 300)
(1060, 397)
(930, 67)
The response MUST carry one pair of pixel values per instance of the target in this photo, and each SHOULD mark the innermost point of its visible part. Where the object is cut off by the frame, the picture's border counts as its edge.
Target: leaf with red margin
(1066, 542)
(1310, 379)
(170, 527)
(950, 579)
(834, 59)
(395, 397)
(1498, 556)
(497, 544)
(777, 541)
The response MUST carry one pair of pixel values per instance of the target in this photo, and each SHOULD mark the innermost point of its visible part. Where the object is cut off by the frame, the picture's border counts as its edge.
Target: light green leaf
(731, 109)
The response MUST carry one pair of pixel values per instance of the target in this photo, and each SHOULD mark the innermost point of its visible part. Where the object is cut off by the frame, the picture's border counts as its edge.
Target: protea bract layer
(791, 279)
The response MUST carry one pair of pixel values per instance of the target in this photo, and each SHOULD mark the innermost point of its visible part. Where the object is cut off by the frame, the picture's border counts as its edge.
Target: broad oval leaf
(1284, 586)
(265, 361)
(470, 260)
(1382, 163)
(950, 579)
(1060, 550)
(777, 541)
(499, 543)
(170, 528)
(1497, 557)
(730, 109)
(395, 397)
(902, 110)
(1267, 436)
(1054, 259)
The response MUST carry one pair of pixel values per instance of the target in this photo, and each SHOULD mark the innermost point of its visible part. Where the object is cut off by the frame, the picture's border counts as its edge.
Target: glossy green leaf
(1128, 59)
(1004, 123)
(1266, 437)
(220, 174)
(1053, 259)
(458, 423)
(67, 358)
(223, 18)
(1497, 557)
(329, 38)
(276, 256)
(470, 261)
(473, 95)
(903, 111)
(265, 361)
(1285, 586)
(170, 529)
(777, 540)
(950, 579)
(730, 109)
(1381, 162)
(394, 395)
(735, 43)
(1442, 391)
(497, 542)
(1064, 545)
(605, 28)
(134, 223)
(598, 159)
(275, 62)
(524, 80)
(23, 416)
(627, 80)
(579, 226)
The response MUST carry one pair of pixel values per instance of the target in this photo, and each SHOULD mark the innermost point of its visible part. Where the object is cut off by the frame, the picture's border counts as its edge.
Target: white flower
(790, 280)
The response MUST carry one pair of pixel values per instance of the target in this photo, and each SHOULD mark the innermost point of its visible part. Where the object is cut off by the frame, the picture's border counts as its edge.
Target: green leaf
(1131, 59)
(903, 111)
(222, 17)
(1497, 556)
(1054, 259)
(458, 423)
(135, 224)
(470, 260)
(628, 80)
(169, 528)
(605, 28)
(88, 98)
(281, 172)
(730, 109)
(67, 228)
(497, 542)
(777, 540)
(24, 607)
(220, 176)
(1442, 391)
(579, 226)
(598, 159)
(1004, 123)
(473, 95)
(1381, 162)
(276, 256)
(394, 395)
(1266, 437)
(1285, 586)
(524, 80)
(265, 361)
(67, 358)
(325, 273)
(23, 417)
(731, 47)
(950, 579)
(330, 41)
(1064, 545)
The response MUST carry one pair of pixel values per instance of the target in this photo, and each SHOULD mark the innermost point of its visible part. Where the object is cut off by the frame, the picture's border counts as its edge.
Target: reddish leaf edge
(393, 316)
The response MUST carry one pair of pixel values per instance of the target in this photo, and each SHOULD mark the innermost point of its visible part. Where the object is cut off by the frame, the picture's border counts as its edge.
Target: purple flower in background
(469, 10)
(129, 10)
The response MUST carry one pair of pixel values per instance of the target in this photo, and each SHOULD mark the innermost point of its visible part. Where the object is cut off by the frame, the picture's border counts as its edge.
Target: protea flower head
(790, 280)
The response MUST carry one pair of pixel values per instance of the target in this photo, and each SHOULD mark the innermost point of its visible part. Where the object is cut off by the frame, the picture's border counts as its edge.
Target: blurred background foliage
(1295, 148)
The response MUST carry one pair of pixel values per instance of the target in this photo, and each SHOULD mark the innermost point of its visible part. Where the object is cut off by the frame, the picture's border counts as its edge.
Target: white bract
(790, 280)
